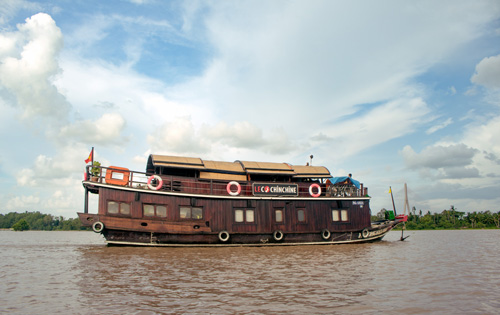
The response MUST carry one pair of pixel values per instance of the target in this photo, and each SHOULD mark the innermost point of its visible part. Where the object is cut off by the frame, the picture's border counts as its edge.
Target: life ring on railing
(233, 193)
(98, 227)
(223, 236)
(325, 234)
(158, 178)
(278, 235)
(311, 190)
(365, 233)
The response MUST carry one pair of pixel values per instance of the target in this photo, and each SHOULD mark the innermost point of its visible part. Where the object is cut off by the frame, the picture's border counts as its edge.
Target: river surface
(440, 272)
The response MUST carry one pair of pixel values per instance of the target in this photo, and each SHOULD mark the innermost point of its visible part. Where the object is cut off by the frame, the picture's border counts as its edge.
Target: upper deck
(194, 176)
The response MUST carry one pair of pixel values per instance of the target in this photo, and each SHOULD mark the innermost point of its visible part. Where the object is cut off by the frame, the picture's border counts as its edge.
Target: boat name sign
(275, 189)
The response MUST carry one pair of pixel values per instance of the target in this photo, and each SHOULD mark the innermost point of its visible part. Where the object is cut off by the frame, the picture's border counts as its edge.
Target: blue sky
(393, 92)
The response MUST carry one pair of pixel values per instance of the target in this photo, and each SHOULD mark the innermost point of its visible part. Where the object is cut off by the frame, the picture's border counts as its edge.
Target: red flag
(90, 156)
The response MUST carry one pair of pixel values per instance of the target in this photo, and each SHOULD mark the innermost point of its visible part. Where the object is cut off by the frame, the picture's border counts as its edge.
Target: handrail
(216, 187)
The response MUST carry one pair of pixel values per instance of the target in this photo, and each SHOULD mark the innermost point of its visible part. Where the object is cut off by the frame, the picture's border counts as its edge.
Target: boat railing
(123, 177)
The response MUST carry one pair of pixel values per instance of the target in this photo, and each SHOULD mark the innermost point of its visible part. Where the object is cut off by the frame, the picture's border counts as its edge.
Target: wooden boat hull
(180, 236)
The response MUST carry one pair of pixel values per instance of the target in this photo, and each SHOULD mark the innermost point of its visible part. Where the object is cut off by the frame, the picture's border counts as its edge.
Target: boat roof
(237, 167)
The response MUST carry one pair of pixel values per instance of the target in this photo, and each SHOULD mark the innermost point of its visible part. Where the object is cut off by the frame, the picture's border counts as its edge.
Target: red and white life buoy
(233, 193)
(158, 179)
(311, 188)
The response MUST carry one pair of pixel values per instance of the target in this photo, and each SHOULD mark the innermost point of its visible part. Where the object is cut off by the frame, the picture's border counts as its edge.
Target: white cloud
(26, 178)
(318, 60)
(488, 72)
(178, 136)
(28, 65)
(107, 130)
(372, 127)
(66, 164)
(20, 203)
(181, 136)
(440, 126)
(436, 157)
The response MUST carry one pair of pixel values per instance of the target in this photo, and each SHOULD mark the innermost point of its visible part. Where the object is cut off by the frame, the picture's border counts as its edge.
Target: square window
(113, 207)
(197, 213)
(124, 208)
(185, 213)
(238, 215)
(161, 211)
(278, 215)
(149, 210)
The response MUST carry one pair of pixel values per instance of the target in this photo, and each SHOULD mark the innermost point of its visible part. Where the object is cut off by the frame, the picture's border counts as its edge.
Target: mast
(407, 205)
(392, 197)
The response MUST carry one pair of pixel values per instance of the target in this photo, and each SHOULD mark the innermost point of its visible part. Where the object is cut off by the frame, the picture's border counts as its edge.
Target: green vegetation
(95, 170)
(449, 219)
(21, 225)
(38, 221)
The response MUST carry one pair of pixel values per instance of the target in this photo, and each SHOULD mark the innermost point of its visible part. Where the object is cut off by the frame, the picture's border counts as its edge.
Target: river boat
(186, 201)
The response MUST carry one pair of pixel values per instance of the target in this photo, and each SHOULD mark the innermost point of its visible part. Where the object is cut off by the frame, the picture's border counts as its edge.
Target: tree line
(38, 221)
(449, 219)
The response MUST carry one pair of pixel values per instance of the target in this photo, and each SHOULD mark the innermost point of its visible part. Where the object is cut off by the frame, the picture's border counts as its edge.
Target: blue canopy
(335, 180)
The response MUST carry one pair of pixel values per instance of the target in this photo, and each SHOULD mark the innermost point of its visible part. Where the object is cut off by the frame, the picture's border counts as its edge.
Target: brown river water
(432, 272)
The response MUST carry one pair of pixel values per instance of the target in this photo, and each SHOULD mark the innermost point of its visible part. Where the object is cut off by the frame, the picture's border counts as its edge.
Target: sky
(393, 92)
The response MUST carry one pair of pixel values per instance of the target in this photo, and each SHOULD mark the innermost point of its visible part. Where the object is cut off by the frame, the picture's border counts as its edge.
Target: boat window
(340, 215)
(186, 212)
(197, 213)
(244, 215)
(250, 216)
(115, 207)
(335, 215)
(343, 215)
(278, 215)
(301, 215)
(161, 211)
(149, 210)
(238, 216)
(155, 211)
(124, 208)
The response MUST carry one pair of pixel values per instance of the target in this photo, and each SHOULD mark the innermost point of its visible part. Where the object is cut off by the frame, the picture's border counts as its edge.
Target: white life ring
(311, 190)
(223, 236)
(233, 193)
(278, 235)
(365, 233)
(325, 234)
(158, 178)
(98, 227)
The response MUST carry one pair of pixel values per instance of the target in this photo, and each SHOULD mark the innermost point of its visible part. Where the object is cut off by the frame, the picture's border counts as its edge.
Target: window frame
(282, 210)
(155, 213)
(190, 212)
(245, 212)
(340, 216)
(305, 215)
(120, 212)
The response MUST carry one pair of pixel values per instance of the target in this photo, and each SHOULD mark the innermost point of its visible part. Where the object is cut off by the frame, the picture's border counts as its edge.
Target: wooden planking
(220, 213)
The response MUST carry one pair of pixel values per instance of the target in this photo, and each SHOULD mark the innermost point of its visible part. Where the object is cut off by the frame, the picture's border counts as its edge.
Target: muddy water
(73, 272)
